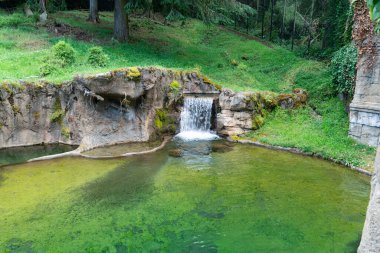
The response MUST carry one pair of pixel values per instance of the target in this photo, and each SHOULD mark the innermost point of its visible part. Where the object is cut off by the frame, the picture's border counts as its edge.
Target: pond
(247, 199)
(23, 154)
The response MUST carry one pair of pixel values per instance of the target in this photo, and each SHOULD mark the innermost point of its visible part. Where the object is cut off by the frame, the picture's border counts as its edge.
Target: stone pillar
(365, 107)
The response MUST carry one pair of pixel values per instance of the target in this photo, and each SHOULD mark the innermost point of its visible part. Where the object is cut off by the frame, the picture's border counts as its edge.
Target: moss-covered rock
(164, 122)
(133, 73)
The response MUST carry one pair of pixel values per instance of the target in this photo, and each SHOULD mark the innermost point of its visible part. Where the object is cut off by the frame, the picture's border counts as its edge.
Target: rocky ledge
(246, 111)
(124, 105)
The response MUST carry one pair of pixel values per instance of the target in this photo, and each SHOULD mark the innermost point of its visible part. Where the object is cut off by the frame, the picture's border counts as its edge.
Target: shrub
(64, 52)
(50, 66)
(97, 57)
(62, 56)
(343, 69)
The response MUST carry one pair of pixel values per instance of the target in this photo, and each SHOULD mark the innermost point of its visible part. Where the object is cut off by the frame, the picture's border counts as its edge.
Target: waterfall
(196, 119)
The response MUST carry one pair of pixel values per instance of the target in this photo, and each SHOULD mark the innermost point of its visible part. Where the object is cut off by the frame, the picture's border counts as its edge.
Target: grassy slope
(211, 50)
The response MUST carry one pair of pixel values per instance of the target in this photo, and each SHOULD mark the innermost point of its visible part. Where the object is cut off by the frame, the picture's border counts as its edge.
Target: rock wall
(365, 106)
(126, 105)
(370, 242)
(242, 112)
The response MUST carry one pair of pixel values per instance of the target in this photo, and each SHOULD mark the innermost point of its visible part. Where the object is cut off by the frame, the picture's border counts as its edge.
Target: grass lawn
(231, 60)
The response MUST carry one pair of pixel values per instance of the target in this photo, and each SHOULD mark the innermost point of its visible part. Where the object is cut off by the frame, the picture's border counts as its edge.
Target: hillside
(237, 62)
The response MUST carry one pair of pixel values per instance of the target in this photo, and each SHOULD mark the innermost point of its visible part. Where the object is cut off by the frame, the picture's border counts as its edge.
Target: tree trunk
(283, 20)
(258, 12)
(294, 24)
(121, 30)
(93, 15)
(311, 25)
(43, 6)
(271, 20)
(262, 17)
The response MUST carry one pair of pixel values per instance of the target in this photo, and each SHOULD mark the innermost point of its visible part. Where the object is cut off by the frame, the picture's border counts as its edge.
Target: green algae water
(23, 154)
(248, 199)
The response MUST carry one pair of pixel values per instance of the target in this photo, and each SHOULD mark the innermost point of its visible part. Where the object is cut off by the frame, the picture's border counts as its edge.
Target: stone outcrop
(245, 111)
(370, 242)
(126, 105)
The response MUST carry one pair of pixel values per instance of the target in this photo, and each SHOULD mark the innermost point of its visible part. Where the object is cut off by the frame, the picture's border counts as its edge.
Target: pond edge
(300, 152)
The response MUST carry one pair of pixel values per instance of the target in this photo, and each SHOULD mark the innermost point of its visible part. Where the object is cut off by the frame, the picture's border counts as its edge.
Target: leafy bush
(50, 66)
(343, 69)
(62, 56)
(97, 57)
(64, 52)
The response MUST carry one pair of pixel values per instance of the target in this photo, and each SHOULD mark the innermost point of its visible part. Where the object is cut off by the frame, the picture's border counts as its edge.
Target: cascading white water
(196, 119)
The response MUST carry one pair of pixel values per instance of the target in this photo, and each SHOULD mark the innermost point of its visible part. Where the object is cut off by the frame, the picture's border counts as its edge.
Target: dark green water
(247, 200)
(23, 154)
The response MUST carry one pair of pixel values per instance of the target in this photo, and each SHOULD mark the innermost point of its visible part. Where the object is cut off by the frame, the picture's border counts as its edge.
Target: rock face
(365, 107)
(245, 111)
(370, 242)
(90, 111)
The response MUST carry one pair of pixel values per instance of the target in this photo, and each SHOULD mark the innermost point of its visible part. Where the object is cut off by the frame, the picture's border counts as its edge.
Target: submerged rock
(175, 152)
(221, 147)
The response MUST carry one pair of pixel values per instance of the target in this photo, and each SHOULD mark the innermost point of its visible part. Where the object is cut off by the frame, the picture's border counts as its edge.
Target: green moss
(66, 132)
(158, 123)
(257, 122)
(175, 86)
(1, 125)
(57, 116)
(212, 83)
(36, 115)
(58, 113)
(164, 122)
(16, 109)
(133, 73)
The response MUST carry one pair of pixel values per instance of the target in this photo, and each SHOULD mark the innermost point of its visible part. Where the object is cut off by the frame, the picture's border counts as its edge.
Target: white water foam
(196, 119)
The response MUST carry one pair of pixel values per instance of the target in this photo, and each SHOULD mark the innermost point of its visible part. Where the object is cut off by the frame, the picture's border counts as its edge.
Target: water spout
(196, 119)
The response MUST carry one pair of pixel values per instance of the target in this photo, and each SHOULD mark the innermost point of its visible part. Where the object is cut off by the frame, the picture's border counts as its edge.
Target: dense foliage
(374, 6)
(343, 68)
